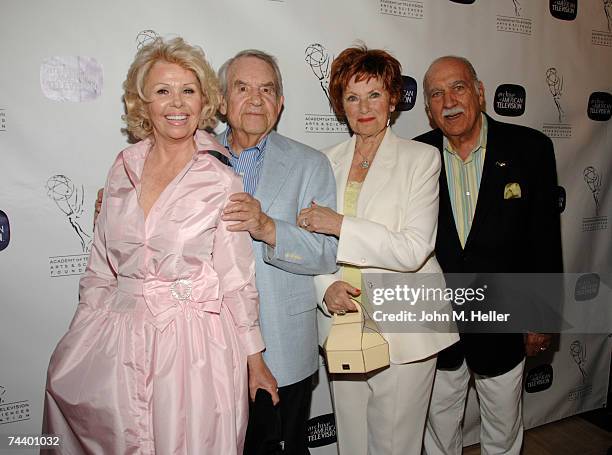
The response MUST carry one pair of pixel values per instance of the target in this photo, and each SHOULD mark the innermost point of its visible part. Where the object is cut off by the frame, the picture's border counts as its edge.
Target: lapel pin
(501, 164)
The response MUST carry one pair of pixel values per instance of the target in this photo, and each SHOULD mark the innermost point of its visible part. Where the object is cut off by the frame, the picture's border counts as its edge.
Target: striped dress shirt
(463, 179)
(249, 163)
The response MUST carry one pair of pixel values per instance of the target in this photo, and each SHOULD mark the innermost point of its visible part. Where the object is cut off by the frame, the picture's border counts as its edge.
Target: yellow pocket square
(512, 191)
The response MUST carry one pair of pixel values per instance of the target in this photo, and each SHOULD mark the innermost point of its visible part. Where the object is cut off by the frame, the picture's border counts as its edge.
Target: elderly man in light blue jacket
(281, 177)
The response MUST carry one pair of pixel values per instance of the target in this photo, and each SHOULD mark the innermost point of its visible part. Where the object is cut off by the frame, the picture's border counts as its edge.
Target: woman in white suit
(387, 219)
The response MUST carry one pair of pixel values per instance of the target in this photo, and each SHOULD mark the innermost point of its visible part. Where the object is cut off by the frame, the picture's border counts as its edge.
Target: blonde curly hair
(177, 51)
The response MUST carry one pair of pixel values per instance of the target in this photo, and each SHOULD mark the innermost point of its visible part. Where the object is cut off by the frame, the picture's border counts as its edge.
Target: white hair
(261, 55)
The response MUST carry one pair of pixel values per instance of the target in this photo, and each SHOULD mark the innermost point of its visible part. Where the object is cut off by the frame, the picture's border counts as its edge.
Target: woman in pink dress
(155, 359)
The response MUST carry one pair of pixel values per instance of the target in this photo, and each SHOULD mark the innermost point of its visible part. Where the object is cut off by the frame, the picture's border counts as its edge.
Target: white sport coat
(394, 230)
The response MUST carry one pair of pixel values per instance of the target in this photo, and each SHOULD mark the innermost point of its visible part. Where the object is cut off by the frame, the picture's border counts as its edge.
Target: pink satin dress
(154, 361)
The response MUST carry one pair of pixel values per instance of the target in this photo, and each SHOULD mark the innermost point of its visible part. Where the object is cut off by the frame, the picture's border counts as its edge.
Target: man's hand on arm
(98, 204)
(245, 209)
(320, 219)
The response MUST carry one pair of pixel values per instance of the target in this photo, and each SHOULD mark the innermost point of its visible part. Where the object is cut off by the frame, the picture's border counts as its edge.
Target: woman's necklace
(365, 163)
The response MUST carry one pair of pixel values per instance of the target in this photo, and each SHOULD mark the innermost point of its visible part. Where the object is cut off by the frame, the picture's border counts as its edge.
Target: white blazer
(394, 230)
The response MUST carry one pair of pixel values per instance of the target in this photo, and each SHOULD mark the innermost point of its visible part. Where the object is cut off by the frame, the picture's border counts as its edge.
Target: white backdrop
(60, 128)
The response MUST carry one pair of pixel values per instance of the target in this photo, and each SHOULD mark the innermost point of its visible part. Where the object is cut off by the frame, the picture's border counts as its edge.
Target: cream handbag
(354, 344)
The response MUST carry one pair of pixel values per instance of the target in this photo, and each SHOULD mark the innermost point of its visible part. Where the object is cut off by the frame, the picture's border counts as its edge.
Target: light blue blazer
(293, 175)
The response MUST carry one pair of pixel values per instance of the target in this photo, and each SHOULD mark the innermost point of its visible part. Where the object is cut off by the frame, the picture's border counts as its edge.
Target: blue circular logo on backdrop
(561, 198)
(5, 231)
(321, 431)
(408, 94)
(566, 10)
(539, 378)
(510, 100)
(587, 287)
(600, 106)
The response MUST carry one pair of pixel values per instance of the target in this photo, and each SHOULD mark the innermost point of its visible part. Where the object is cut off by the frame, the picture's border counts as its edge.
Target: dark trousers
(280, 429)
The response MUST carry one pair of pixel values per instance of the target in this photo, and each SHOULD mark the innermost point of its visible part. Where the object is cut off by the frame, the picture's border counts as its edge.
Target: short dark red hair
(363, 64)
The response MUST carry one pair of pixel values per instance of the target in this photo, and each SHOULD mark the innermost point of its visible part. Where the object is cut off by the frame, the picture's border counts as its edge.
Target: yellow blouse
(350, 273)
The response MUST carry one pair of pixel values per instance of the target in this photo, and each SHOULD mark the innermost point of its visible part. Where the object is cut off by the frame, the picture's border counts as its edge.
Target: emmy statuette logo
(69, 201)
(318, 59)
(594, 181)
(512, 18)
(555, 84)
(607, 6)
(145, 37)
(592, 178)
(602, 36)
(578, 353)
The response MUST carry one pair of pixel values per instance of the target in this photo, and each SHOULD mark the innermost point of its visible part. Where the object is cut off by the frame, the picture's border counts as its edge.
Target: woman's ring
(342, 312)
(542, 348)
(305, 222)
